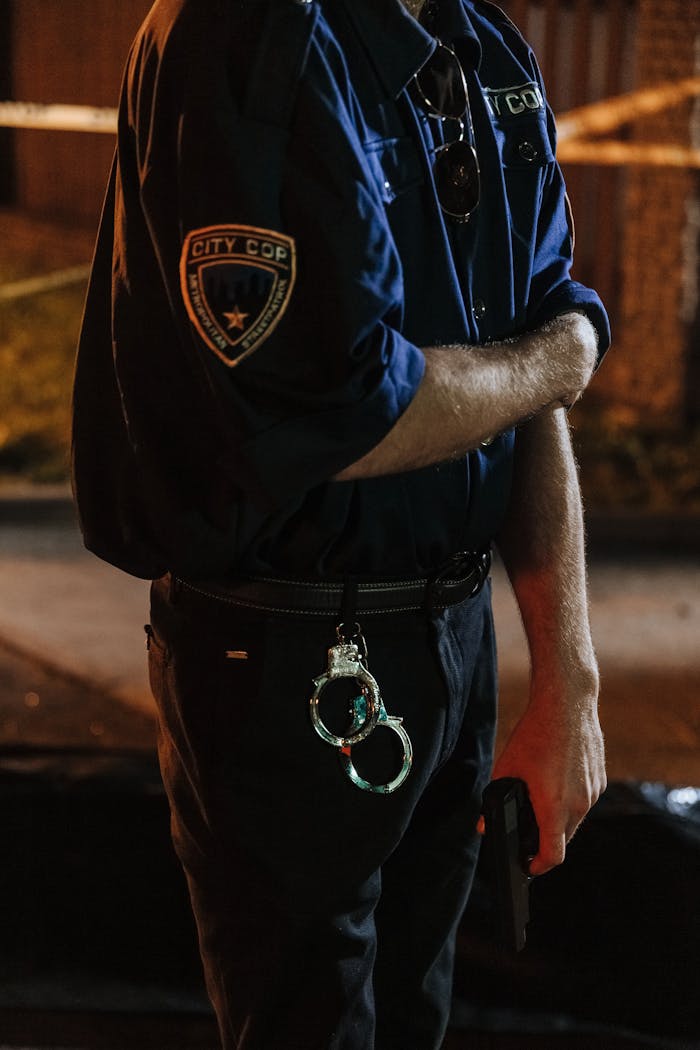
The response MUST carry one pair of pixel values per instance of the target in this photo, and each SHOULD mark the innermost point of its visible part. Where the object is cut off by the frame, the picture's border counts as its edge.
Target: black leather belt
(461, 576)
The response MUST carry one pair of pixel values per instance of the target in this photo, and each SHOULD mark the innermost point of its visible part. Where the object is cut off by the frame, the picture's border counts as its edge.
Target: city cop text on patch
(236, 283)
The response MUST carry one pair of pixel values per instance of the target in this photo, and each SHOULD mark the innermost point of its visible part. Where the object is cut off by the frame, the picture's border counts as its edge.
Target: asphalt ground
(116, 1032)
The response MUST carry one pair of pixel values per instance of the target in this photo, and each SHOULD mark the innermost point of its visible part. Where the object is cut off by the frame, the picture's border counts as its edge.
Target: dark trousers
(327, 915)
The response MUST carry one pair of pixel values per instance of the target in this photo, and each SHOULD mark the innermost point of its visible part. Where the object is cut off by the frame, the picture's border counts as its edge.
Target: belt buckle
(473, 563)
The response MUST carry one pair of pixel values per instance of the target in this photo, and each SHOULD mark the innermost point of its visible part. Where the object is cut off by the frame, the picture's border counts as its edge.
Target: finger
(571, 830)
(578, 814)
(551, 853)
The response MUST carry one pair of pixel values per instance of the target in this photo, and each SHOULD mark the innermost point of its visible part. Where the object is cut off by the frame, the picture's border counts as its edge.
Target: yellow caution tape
(46, 283)
(58, 117)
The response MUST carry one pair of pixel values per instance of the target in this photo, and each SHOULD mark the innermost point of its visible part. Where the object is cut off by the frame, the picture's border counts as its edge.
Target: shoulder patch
(236, 282)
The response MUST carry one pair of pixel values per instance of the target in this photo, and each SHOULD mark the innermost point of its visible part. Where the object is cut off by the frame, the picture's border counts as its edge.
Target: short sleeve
(552, 290)
(287, 285)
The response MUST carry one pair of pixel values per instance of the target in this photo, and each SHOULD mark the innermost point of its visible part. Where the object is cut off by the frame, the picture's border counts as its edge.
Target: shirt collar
(397, 45)
(451, 22)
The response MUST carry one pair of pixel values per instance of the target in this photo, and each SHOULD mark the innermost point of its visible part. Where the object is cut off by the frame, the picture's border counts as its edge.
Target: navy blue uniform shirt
(271, 260)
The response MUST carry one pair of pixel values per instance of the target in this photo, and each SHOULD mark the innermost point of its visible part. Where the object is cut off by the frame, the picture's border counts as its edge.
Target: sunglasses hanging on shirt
(441, 87)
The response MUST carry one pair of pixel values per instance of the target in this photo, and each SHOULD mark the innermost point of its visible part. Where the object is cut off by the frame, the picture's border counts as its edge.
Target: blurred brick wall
(73, 51)
(634, 239)
(646, 379)
(638, 228)
(7, 167)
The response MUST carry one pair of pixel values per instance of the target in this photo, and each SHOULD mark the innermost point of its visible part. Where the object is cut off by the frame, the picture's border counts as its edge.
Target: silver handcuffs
(348, 659)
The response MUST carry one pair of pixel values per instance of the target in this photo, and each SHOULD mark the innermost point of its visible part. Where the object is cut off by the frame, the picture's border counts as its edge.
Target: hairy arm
(557, 746)
(467, 395)
(470, 393)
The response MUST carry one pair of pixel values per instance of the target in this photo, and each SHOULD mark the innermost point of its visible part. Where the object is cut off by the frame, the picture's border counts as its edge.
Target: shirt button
(528, 152)
(479, 309)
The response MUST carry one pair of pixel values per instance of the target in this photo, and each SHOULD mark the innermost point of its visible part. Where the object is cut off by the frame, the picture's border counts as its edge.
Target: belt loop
(348, 605)
(433, 594)
(430, 605)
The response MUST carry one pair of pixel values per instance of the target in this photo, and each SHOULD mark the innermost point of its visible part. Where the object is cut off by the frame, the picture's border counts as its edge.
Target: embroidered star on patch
(236, 283)
(236, 319)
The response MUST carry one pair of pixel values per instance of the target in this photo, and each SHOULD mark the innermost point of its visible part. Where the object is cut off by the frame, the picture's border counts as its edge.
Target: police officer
(327, 344)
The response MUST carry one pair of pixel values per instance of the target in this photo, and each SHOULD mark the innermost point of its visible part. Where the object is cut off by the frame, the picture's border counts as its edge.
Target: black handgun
(511, 840)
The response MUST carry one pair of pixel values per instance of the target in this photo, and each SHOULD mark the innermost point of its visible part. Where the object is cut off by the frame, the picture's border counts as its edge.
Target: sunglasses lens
(457, 179)
(442, 85)
(442, 89)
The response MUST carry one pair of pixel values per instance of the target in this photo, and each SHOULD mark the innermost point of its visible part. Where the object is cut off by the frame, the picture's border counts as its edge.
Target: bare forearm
(468, 394)
(557, 746)
(542, 544)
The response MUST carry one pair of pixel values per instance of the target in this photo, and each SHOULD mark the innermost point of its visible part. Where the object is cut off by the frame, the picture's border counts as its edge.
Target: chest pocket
(525, 156)
(524, 144)
(395, 164)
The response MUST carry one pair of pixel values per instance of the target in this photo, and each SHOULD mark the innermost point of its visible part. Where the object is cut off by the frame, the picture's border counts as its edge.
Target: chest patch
(514, 101)
(236, 282)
